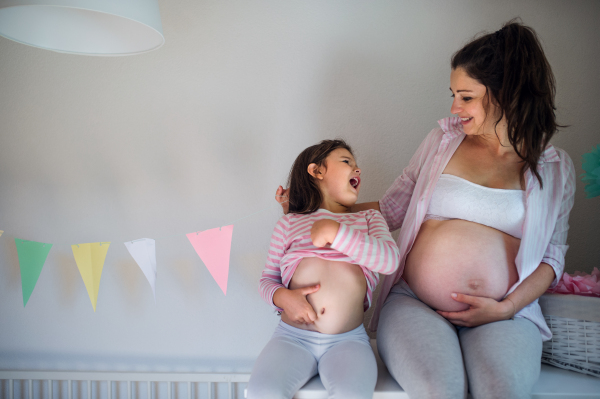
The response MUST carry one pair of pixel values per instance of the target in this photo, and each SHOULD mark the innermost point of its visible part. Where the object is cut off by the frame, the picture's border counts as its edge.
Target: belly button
(323, 311)
(475, 285)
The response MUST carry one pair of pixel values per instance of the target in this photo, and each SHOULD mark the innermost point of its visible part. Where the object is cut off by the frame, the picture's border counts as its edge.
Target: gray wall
(201, 132)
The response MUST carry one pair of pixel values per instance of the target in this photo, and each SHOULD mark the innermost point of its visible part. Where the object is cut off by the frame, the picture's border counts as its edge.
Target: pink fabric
(579, 284)
(363, 239)
(546, 221)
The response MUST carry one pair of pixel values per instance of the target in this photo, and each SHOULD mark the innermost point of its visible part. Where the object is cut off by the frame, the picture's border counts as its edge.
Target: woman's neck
(496, 141)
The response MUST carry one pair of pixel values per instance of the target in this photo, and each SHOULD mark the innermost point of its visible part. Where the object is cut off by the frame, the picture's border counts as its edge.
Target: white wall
(201, 132)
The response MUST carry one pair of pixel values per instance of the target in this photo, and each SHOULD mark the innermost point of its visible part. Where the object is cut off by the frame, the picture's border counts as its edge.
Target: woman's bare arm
(364, 206)
(281, 196)
(532, 287)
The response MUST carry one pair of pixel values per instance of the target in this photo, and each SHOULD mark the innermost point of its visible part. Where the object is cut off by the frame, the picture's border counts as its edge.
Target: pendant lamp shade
(89, 27)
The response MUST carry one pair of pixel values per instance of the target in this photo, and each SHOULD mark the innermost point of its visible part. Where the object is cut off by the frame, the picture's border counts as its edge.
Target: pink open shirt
(546, 220)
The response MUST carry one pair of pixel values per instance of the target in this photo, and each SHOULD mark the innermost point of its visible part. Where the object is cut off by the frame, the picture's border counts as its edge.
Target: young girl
(321, 271)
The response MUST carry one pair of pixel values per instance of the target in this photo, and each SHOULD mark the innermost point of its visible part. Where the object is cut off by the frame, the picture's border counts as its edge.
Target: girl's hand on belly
(482, 311)
(295, 305)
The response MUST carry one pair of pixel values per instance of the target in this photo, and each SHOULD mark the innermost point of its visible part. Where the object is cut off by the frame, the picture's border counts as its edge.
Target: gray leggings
(345, 362)
(431, 358)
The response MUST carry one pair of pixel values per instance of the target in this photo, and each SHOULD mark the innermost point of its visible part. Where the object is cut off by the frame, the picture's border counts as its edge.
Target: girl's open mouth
(355, 182)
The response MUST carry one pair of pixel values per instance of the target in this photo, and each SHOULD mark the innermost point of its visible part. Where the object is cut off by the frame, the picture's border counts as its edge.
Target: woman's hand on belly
(482, 310)
(457, 256)
(295, 305)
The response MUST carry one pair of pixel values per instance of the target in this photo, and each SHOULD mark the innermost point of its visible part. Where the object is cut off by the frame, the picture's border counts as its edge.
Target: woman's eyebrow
(458, 91)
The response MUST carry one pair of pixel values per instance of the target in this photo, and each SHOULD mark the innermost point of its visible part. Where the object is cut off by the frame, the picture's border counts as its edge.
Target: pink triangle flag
(213, 247)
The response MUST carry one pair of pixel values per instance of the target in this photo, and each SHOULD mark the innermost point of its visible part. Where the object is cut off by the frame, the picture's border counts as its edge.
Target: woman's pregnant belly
(463, 257)
(339, 301)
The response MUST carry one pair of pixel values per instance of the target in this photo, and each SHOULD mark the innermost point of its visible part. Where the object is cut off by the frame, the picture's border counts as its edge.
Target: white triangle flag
(143, 252)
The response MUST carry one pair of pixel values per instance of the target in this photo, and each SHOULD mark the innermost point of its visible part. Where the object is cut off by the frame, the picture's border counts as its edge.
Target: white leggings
(345, 362)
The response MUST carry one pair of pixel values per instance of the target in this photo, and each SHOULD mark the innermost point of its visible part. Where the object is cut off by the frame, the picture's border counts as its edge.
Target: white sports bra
(457, 198)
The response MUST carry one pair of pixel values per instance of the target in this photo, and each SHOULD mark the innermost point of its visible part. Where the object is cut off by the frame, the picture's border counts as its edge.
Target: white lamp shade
(90, 27)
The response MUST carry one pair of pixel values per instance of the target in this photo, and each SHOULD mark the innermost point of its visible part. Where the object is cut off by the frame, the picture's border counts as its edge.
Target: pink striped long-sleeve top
(363, 238)
(545, 228)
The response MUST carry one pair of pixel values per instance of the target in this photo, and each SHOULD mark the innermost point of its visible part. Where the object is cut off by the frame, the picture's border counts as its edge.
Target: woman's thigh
(502, 359)
(420, 348)
(349, 371)
(283, 367)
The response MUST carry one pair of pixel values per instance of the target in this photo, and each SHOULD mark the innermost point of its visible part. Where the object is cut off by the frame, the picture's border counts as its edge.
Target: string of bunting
(212, 246)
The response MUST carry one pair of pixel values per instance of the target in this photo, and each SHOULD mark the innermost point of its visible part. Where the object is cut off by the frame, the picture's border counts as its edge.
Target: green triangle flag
(32, 256)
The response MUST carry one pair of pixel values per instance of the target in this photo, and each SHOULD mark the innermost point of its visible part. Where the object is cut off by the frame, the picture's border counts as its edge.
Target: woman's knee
(501, 386)
(421, 350)
(410, 331)
(490, 378)
(503, 359)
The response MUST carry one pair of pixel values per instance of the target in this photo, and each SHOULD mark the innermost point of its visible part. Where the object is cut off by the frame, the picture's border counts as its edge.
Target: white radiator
(120, 385)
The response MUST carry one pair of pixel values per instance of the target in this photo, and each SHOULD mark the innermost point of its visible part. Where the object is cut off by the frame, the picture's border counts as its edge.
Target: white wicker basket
(575, 325)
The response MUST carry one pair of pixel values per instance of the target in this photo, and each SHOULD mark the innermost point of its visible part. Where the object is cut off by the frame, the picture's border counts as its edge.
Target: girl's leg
(283, 367)
(348, 369)
(420, 348)
(503, 359)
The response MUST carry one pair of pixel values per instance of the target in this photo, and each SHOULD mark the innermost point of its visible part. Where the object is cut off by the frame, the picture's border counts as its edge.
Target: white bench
(554, 383)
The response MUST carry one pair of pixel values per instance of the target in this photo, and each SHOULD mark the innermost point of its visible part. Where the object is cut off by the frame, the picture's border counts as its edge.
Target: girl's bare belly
(339, 302)
(463, 257)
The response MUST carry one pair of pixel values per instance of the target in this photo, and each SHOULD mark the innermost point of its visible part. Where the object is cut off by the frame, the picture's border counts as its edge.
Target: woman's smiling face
(469, 103)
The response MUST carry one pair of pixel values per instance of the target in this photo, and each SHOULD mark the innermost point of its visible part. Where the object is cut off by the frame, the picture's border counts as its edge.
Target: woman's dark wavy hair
(512, 66)
(304, 194)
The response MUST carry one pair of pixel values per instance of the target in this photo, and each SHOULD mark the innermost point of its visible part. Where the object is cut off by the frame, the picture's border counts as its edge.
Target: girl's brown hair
(512, 66)
(304, 194)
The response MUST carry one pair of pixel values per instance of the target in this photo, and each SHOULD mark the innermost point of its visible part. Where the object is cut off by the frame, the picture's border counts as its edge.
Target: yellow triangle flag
(90, 261)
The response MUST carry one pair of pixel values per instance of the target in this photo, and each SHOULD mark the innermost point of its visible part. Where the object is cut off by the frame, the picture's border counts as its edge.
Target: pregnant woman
(483, 210)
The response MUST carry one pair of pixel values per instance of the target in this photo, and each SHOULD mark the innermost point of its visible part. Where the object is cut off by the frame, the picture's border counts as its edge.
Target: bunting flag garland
(32, 256)
(90, 261)
(214, 247)
(143, 252)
